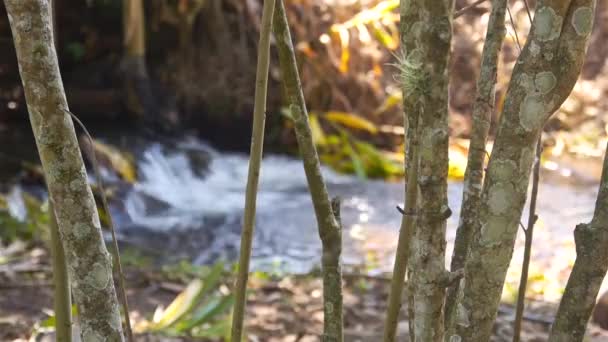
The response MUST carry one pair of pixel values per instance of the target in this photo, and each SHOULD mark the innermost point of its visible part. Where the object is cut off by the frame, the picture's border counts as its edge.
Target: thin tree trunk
(255, 160)
(544, 76)
(426, 35)
(529, 231)
(483, 107)
(408, 222)
(137, 81)
(89, 265)
(327, 215)
(588, 272)
(62, 298)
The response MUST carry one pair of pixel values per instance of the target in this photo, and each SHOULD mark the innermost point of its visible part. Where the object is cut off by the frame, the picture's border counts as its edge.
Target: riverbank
(280, 309)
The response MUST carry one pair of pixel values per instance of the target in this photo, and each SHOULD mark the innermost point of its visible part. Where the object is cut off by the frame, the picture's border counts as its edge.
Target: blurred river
(189, 198)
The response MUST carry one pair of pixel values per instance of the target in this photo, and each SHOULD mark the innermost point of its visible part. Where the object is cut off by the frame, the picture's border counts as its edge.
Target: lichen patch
(582, 20)
(504, 170)
(501, 198)
(531, 111)
(534, 49)
(90, 335)
(545, 81)
(99, 276)
(547, 24)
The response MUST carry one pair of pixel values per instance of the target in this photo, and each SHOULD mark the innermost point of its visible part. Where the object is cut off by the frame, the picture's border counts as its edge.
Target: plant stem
(62, 300)
(327, 215)
(408, 222)
(255, 160)
(532, 217)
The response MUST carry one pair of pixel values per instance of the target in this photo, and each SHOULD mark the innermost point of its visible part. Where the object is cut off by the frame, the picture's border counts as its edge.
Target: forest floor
(280, 309)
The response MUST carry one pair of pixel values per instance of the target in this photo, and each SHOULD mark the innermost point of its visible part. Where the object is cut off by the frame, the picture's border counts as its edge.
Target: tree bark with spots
(588, 272)
(89, 264)
(483, 107)
(327, 211)
(427, 34)
(542, 79)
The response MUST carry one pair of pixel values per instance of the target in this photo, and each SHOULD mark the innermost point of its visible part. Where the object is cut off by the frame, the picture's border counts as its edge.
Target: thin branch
(523, 282)
(327, 212)
(465, 9)
(255, 160)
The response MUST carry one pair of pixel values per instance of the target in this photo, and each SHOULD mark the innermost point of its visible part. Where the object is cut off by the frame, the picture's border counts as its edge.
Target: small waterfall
(189, 202)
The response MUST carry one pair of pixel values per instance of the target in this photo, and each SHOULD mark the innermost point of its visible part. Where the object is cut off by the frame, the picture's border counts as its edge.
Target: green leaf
(356, 160)
(189, 299)
(351, 120)
(207, 312)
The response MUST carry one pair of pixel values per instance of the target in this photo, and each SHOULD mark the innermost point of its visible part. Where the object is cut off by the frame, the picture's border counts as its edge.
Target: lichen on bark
(483, 107)
(554, 47)
(89, 263)
(427, 32)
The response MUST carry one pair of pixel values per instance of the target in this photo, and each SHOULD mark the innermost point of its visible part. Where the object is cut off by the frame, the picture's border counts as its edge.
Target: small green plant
(35, 221)
(200, 310)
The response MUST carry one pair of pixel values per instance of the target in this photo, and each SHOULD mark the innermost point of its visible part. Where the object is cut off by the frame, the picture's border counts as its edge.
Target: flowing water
(189, 199)
(189, 202)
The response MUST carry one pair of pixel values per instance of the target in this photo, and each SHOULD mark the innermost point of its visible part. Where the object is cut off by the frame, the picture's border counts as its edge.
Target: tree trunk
(588, 272)
(483, 107)
(137, 81)
(253, 176)
(326, 211)
(89, 265)
(427, 32)
(544, 75)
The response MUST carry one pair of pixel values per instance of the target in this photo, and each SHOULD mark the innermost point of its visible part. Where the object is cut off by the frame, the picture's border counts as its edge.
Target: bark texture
(483, 107)
(588, 272)
(253, 177)
(327, 214)
(89, 264)
(543, 77)
(427, 33)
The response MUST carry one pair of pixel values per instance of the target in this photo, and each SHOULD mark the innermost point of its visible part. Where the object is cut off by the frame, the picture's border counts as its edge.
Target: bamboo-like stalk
(62, 295)
(405, 232)
(523, 281)
(62, 299)
(255, 160)
(89, 264)
(588, 272)
(483, 107)
(327, 216)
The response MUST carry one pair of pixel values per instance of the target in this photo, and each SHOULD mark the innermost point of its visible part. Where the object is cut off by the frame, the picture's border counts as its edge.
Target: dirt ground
(280, 310)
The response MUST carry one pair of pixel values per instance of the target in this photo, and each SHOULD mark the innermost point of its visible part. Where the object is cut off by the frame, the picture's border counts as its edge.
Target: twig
(514, 28)
(106, 207)
(465, 9)
(532, 217)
